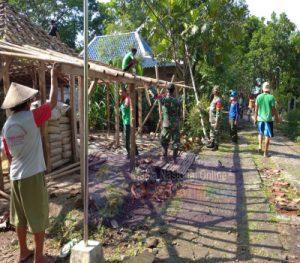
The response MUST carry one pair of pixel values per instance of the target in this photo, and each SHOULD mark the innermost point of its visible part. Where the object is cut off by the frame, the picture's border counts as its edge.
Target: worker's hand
(216, 125)
(235, 122)
(255, 122)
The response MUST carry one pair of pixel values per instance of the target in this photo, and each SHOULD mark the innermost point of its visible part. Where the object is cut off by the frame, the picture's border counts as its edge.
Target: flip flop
(49, 259)
(66, 249)
(28, 257)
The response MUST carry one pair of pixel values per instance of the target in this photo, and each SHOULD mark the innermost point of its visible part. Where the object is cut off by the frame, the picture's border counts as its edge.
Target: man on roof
(53, 30)
(129, 60)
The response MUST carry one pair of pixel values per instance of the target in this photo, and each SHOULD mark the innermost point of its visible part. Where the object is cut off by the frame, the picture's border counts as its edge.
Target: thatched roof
(16, 28)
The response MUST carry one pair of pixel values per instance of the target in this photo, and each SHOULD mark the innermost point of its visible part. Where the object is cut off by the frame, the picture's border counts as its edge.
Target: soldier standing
(170, 130)
(214, 118)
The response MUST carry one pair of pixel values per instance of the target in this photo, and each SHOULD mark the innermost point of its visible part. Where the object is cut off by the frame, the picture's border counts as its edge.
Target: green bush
(291, 127)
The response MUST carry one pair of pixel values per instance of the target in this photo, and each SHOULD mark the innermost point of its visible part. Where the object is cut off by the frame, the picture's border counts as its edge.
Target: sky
(264, 8)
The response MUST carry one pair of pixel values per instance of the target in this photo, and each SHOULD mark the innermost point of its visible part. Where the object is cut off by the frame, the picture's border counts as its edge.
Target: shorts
(29, 205)
(265, 128)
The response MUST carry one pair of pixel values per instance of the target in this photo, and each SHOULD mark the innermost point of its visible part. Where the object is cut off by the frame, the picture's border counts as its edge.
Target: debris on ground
(4, 223)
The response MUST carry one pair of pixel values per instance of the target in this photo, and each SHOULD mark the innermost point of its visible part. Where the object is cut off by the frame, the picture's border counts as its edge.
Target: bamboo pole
(117, 116)
(68, 167)
(44, 127)
(6, 79)
(1, 174)
(184, 105)
(92, 87)
(140, 111)
(81, 128)
(108, 108)
(73, 118)
(132, 127)
(147, 117)
(159, 104)
(4, 195)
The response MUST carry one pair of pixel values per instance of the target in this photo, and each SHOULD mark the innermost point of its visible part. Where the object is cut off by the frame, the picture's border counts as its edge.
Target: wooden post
(62, 93)
(117, 116)
(81, 126)
(108, 108)
(132, 127)
(44, 127)
(140, 111)
(73, 118)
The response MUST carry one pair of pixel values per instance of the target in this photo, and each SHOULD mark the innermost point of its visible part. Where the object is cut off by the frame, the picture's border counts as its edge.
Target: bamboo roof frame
(74, 65)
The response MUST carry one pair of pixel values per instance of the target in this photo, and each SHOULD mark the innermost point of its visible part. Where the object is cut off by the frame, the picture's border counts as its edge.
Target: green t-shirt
(129, 56)
(265, 102)
(125, 112)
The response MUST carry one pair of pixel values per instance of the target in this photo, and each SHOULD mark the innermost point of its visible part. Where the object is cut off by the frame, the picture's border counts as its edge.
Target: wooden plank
(117, 116)
(73, 118)
(107, 86)
(140, 111)
(132, 127)
(44, 127)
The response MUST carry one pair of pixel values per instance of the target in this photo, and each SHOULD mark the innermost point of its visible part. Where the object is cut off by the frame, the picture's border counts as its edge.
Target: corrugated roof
(110, 47)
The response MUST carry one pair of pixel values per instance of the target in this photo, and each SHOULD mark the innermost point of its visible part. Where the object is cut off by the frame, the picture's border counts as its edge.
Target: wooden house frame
(27, 54)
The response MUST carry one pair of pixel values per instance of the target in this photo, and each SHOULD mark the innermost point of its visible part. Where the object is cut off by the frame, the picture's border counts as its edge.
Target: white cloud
(264, 8)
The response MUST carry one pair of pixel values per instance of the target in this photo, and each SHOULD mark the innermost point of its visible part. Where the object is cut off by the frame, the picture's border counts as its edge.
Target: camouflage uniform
(170, 130)
(214, 117)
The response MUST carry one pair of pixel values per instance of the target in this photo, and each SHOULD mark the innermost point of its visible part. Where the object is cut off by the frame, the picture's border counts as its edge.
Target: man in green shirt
(263, 117)
(125, 113)
(129, 60)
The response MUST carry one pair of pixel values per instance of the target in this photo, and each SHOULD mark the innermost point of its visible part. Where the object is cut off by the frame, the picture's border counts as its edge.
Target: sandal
(49, 259)
(28, 257)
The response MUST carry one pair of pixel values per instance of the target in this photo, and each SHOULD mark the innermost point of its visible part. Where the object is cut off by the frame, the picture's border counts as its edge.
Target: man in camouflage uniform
(170, 130)
(214, 118)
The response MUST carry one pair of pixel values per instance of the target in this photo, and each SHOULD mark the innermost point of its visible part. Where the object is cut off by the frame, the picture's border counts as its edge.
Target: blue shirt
(234, 110)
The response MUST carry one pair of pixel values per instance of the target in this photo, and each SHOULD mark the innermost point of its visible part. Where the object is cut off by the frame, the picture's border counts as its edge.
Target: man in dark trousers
(214, 118)
(170, 130)
(129, 60)
(53, 30)
(125, 113)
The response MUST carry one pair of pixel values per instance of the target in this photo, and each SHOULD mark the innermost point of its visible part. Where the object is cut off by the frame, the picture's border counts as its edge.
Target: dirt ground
(223, 210)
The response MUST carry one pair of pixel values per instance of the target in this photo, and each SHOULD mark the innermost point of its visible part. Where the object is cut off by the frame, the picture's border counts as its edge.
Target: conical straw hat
(16, 95)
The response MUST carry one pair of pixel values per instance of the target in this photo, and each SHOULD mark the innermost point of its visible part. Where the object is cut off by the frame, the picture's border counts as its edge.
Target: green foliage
(97, 108)
(291, 127)
(192, 125)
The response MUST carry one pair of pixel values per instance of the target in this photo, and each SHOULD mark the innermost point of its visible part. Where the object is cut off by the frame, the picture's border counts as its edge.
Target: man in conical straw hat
(29, 207)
